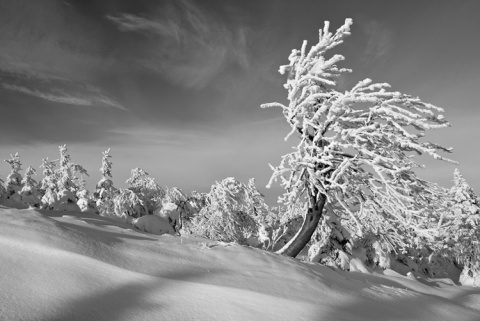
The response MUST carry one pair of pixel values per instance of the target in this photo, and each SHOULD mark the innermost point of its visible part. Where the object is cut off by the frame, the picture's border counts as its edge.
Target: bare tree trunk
(310, 223)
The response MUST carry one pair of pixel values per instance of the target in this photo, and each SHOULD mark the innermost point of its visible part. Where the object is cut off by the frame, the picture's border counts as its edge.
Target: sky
(174, 87)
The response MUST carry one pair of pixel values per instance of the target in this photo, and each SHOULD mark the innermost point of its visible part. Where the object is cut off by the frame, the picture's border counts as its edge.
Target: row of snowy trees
(231, 211)
(235, 212)
(60, 188)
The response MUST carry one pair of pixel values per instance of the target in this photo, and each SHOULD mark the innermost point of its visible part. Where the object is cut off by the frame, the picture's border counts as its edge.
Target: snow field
(81, 266)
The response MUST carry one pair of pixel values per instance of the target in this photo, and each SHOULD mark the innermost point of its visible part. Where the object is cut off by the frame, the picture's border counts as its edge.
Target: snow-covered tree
(48, 184)
(67, 182)
(14, 179)
(85, 201)
(355, 147)
(106, 169)
(105, 190)
(190, 206)
(29, 191)
(231, 213)
(196, 201)
(105, 182)
(64, 172)
(126, 206)
(463, 231)
(79, 181)
(3, 191)
(174, 207)
(146, 189)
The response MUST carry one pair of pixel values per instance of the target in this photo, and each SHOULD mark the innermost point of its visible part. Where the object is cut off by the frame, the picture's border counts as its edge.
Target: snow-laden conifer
(67, 182)
(105, 190)
(14, 179)
(355, 146)
(106, 171)
(463, 230)
(29, 191)
(68, 172)
(49, 183)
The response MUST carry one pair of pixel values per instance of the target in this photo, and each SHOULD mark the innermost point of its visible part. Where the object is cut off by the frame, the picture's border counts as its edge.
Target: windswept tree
(356, 147)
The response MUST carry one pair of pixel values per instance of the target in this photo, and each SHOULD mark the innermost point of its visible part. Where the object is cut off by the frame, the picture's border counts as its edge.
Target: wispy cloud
(59, 96)
(191, 47)
(379, 40)
(42, 58)
(31, 80)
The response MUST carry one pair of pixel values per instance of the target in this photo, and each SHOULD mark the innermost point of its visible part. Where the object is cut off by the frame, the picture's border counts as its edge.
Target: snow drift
(81, 266)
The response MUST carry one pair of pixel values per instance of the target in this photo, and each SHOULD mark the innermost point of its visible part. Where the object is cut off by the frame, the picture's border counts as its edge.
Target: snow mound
(81, 266)
(153, 224)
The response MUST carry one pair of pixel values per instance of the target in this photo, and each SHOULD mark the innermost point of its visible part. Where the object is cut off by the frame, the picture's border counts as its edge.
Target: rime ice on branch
(356, 147)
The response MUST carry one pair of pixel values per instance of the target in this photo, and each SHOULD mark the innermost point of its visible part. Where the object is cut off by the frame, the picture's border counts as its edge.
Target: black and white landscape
(177, 160)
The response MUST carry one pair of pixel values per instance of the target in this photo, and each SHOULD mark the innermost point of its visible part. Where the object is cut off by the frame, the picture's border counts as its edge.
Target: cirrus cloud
(190, 46)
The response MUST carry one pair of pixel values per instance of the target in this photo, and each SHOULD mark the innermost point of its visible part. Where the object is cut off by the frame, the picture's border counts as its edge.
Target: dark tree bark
(310, 223)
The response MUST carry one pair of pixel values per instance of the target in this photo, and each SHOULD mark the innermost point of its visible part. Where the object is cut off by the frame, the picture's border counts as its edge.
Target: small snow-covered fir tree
(67, 189)
(355, 146)
(14, 179)
(105, 182)
(49, 183)
(79, 182)
(463, 232)
(104, 190)
(64, 171)
(29, 191)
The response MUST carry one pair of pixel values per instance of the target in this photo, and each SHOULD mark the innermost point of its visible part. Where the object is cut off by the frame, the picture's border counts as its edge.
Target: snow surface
(81, 266)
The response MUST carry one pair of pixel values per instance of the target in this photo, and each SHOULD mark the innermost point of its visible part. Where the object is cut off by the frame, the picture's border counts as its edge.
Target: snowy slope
(78, 266)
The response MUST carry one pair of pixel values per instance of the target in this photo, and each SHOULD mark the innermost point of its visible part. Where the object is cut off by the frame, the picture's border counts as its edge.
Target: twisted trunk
(310, 223)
